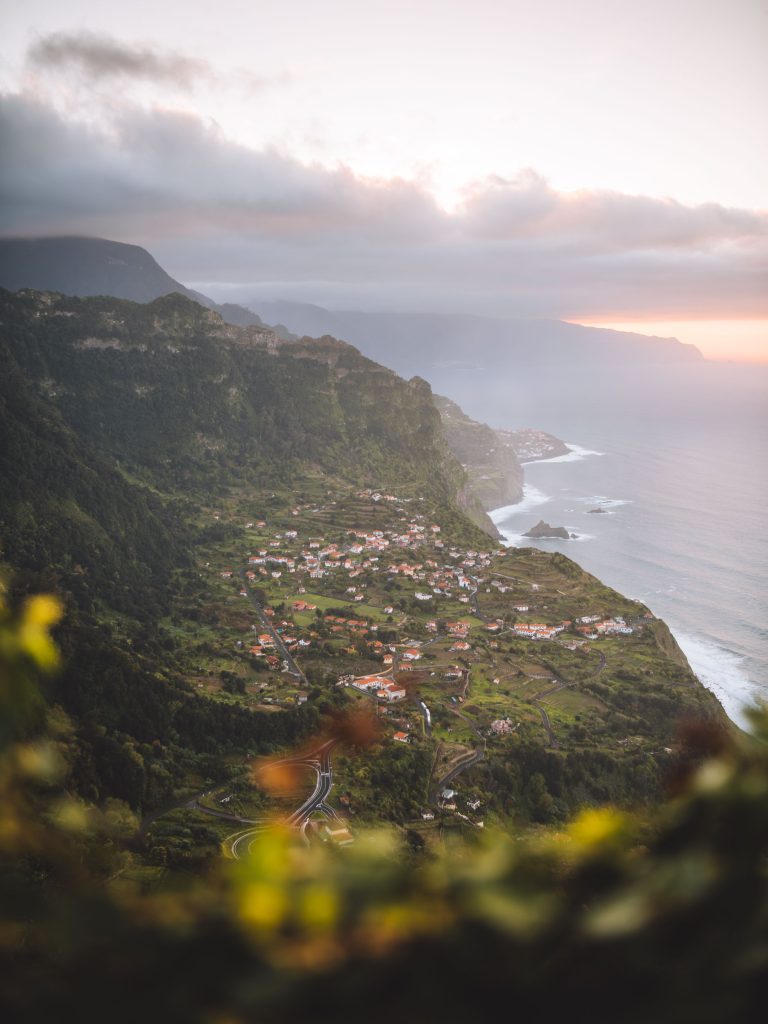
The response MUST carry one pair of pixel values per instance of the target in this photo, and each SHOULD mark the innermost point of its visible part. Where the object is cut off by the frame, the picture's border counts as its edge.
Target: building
(367, 684)
(390, 692)
(337, 834)
(457, 628)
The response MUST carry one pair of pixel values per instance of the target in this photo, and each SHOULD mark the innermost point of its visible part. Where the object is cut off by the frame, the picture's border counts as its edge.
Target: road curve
(319, 760)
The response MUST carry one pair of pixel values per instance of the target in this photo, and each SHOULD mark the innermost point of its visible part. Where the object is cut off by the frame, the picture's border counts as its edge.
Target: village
(361, 598)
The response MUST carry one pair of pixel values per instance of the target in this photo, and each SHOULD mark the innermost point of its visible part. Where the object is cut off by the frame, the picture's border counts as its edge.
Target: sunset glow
(574, 161)
(742, 340)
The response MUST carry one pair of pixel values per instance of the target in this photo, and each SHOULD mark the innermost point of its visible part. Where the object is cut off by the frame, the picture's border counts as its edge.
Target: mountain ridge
(85, 266)
(420, 342)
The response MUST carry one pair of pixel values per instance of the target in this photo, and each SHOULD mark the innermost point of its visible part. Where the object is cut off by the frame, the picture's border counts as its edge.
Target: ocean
(676, 458)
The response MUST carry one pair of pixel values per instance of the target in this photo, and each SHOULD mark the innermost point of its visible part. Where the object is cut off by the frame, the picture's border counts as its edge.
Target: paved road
(427, 717)
(293, 668)
(474, 758)
(473, 599)
(547, 724)
(319, 761)
(240, 842)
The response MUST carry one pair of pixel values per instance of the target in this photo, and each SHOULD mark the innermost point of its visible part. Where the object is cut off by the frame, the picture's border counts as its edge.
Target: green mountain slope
(190, 403)
(98, 266)
(153, 450)
(117, 419)
(494, 469)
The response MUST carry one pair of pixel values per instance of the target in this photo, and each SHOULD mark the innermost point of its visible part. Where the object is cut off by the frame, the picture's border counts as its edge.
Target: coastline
(575, 454)
(717, 668)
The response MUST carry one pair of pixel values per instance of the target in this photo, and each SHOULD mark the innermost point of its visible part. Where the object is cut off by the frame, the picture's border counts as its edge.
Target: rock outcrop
(542, 530)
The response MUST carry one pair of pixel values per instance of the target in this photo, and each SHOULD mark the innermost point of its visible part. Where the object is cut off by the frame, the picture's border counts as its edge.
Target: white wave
(600, 501)
(576, 454)
(510, 539)
(532, 497)
(722, 671)
(513, 539)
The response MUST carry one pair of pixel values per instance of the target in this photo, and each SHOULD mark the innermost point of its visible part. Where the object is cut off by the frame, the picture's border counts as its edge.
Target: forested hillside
(191, 404)
(493, 467)
(117, 420)
(154, 452)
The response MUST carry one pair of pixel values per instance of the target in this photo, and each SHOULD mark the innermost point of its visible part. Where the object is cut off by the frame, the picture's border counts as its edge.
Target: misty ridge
(455, 352)
(509, 372)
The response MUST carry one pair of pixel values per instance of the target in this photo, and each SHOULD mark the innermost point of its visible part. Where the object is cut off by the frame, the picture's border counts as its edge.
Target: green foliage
(117, 419)
(529, 783)
(389, 783)
(613, 918)
(186, 402)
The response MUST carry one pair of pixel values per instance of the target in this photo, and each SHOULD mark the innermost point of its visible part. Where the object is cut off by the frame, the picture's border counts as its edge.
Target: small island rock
(542, 529)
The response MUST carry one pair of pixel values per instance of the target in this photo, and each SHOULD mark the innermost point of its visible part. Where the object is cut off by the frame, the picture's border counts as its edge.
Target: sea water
(676, 459)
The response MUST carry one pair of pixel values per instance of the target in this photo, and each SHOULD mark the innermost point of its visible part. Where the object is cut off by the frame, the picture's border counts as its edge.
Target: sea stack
(542, 529)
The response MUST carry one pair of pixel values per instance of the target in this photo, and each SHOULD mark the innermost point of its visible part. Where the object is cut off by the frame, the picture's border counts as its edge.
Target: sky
(601, 161)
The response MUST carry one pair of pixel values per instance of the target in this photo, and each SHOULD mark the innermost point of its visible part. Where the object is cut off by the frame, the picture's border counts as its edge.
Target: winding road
(319, 761)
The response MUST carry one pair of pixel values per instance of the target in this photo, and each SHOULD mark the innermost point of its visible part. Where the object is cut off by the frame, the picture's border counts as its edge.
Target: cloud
(215, 211)
(102, 59)
(609, 221)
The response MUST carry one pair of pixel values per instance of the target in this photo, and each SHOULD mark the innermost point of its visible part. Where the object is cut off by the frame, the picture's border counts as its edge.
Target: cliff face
(191, 405)
(668, 644)
(492, 467)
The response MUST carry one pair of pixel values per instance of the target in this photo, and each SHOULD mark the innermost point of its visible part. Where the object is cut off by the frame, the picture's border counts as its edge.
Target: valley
(263, 544)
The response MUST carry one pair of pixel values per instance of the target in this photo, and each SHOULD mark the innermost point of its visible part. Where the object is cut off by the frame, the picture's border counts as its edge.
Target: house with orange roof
(367, 683)
(391, 692)
(457, 628)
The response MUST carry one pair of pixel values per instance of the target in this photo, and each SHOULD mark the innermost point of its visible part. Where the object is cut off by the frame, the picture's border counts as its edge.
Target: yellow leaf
(597, 826)
(42, 611)
(39, 646)
(319, 906)
(263, 905)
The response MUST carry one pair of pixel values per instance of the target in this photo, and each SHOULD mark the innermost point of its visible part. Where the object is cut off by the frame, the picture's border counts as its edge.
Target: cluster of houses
(538, 630)
(592, 626)
(589, 626)
(456, 574)
(319, 559)
(383, 689)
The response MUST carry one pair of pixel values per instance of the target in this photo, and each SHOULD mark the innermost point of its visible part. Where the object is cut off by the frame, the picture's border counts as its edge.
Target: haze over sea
(681, 473)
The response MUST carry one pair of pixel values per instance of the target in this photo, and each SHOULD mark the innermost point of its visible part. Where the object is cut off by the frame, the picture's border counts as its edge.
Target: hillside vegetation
(615, 917)
(155, 453)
